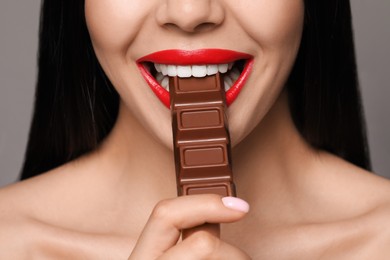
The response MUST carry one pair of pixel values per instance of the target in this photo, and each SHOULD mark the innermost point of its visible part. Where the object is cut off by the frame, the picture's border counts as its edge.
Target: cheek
(113, 24)
(276, 28)
(274, 23)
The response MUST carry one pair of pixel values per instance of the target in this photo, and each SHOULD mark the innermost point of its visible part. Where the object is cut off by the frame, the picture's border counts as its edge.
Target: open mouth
(158, 67)
(162, 72)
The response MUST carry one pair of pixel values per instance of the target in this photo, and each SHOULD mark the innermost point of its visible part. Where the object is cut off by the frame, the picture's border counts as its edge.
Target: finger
(213, 229)
(202, 245)
(169, 217)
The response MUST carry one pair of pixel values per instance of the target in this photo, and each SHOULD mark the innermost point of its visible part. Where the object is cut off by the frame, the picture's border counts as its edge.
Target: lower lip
(163, 94)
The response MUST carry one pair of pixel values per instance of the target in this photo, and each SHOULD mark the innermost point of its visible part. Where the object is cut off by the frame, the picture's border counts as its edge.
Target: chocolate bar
(200, 136)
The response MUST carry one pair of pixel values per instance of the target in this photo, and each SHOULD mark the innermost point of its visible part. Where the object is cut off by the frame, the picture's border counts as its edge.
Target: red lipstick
(195, 57)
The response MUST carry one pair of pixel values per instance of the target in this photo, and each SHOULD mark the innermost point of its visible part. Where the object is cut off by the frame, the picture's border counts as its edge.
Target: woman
(101, 136)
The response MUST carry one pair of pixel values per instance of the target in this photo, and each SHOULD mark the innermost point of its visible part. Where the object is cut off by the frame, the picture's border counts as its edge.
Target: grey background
(18, 47)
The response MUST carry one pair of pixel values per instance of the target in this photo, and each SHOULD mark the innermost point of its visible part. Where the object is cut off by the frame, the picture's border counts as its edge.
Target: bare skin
(305, 204)
(119, 202)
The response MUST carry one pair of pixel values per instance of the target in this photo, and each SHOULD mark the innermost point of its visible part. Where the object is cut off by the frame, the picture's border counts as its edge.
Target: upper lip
(194, 57)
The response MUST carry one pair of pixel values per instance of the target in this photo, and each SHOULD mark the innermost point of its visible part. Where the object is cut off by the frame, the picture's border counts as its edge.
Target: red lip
(195, 57)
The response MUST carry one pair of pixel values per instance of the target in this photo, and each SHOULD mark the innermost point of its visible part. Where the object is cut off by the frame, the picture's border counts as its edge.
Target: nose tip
(190, 15)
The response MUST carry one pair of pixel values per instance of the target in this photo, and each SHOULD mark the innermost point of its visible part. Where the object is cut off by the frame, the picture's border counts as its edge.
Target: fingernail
(236, 204)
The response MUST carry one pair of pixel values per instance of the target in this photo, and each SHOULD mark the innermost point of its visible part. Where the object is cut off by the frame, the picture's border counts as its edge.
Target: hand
(159, 239)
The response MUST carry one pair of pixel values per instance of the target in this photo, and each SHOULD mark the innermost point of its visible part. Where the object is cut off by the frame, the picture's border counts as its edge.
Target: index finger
(169, 217)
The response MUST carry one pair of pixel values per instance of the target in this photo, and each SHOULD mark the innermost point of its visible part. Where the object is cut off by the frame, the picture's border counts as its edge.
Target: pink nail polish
(236, 204)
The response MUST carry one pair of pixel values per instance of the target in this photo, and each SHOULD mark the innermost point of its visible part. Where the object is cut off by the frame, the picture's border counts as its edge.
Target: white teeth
(172, 70)
(165, 83)
(165, 71)
(159, 77)
(157, 67)
(234, 74)
(199, 71)
(192, 71)
(227, 87)
(228, 80)
(184, 71)
(212, 69)
(223, 68)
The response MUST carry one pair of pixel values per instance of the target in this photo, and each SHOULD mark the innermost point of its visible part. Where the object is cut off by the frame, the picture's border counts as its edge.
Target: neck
(265, 162)
(272, 164)
(136, 161)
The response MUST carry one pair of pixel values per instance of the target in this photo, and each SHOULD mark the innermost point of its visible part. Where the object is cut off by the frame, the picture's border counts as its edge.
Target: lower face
(140, 44)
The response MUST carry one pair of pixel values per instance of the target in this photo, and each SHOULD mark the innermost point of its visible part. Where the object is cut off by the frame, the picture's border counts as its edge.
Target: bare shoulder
(21, 204)
(360, 200)
(378, 232)
(13, 240)
(55, 216)
(15, 231)
(363, 237)
(26, 234)
(24, 196)
(22, 237)
(353, 185)
(35, 197)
